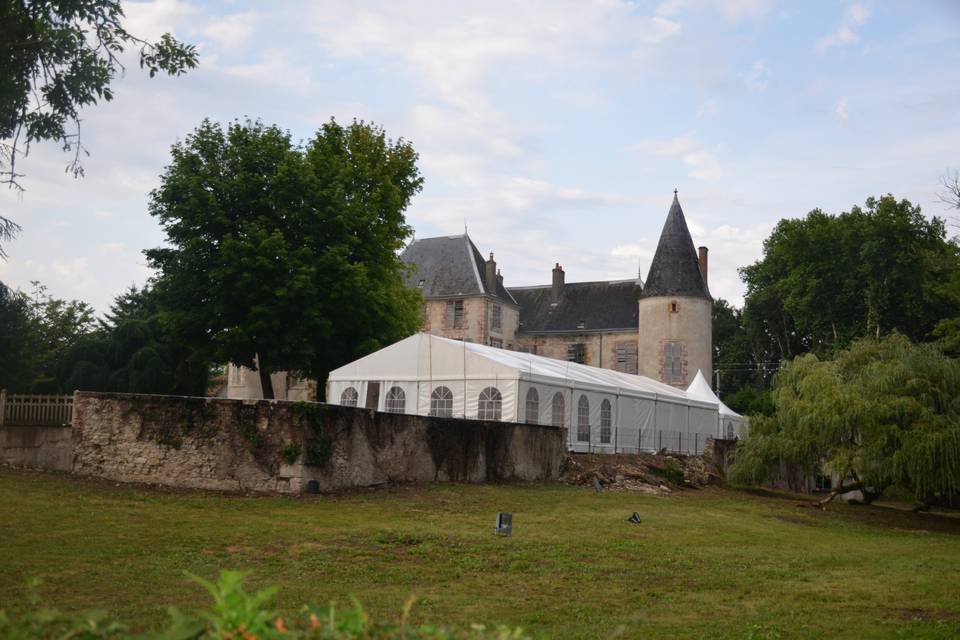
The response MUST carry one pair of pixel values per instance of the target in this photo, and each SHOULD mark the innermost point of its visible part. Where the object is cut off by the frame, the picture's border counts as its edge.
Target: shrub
(238, 614)
(672, 472)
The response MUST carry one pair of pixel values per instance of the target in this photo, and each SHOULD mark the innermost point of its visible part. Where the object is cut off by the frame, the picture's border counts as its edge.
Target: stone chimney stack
(702, 259)
(557, 282)
(490, 274)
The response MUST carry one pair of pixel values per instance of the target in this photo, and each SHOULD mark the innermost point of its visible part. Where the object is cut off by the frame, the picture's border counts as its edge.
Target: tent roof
(700, 389)
(423, 356)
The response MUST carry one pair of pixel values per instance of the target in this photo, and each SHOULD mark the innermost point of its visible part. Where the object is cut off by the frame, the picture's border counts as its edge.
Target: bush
(672, 472)
(238, 614)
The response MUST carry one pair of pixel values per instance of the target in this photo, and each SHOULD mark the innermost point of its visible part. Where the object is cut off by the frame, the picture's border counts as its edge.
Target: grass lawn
(712, 564)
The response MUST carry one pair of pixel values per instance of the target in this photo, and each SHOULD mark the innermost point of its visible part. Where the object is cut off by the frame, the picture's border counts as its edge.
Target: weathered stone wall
(691, 325)
(36, 447)
(267, 447)
(600, 349)
(477, 321)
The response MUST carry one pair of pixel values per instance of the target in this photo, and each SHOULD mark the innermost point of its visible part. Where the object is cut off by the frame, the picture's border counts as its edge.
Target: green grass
(712, 564)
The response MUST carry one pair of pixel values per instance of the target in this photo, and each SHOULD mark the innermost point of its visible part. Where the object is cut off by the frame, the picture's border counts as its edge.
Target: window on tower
(673, 362)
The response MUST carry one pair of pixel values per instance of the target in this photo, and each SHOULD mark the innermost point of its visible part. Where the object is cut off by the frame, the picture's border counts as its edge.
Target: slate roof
(675, 270)
(600, 306)
(449, 266)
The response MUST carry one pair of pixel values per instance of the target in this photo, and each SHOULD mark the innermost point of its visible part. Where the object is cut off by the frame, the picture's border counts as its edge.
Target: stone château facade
(662, 330)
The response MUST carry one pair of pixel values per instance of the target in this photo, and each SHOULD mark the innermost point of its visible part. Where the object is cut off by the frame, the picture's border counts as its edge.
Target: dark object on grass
(504, 524)
(597, 486)
(634, 519)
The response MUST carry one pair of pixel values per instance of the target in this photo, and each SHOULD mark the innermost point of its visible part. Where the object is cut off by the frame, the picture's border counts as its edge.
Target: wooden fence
(40, 410)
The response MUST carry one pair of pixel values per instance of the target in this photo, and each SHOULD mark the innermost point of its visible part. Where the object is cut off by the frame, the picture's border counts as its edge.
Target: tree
(885, 413)
(131, 353)
(18, 340)
(826, 280)
(57, 58)
(282, 257)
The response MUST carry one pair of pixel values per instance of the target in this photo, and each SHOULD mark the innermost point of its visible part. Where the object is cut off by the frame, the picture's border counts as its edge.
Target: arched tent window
(396, 400)
(583, 419)
(533, 406)
(441, 402)
(605, 421)
(349, 397)
(490, 404)
(730, 432)
(557, 410)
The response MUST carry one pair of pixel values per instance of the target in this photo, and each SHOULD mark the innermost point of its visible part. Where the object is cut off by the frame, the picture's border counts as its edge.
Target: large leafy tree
(18, 340)
(57, 57)
(36, 329)
(282, 257)
(884, 413)
(825, 280)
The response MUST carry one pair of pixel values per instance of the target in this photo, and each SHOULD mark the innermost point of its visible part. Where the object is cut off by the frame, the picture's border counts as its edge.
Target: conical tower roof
(675, 270)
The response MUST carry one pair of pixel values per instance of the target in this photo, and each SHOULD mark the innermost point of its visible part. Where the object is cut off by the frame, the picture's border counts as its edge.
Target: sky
(553, 130)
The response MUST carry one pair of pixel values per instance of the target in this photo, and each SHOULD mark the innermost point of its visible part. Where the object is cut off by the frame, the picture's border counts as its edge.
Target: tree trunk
(322, 388)
(840, 491)
(266, 384)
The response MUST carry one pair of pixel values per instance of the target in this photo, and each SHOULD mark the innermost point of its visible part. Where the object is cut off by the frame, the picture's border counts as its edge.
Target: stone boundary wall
(288, 447)
(36, 447)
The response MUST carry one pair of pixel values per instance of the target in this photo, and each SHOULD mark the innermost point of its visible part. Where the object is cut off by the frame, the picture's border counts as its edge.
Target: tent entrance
(373, 394)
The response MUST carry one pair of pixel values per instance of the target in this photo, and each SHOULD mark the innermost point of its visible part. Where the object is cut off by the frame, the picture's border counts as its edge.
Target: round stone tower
(676, 309)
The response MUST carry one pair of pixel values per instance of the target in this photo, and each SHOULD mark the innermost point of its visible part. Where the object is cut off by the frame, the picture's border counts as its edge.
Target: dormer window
(582, 324)
(421, 283)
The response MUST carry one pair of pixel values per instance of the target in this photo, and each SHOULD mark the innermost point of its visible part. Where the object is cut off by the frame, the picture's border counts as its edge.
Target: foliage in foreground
(885, 413)
(236, 614)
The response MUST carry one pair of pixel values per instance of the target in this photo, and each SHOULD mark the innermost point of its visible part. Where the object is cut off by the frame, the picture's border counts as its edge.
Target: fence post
(3, 405)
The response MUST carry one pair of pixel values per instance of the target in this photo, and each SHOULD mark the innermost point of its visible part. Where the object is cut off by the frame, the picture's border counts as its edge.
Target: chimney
(557, 282)
(490, 275)
(499, 277)
(702, 259)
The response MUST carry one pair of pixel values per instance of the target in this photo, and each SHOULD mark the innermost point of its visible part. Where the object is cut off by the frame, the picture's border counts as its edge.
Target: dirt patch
(794, 520)
(654, 474)
(927, 614)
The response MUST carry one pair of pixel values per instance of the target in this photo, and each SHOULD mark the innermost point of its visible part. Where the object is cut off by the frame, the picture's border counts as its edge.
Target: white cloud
(112, 247)
(758, 76)
(707, 108)
(855, 17)
(701, 163)
(234, 31)
(732, 10)
(841, 111)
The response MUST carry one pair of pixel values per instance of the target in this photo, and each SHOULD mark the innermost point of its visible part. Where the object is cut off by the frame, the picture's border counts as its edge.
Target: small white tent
(731, 424)
(602, 410)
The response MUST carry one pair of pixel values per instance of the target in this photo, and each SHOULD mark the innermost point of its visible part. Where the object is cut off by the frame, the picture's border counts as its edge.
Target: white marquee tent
(732, 424)
(603, 410)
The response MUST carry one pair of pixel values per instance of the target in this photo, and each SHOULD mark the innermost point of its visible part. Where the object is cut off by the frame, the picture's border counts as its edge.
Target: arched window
(557, 410)
(490, 404)
(533, 406)
(396, 400)
(583, 419)
(605, 420)
(349, 397)
(731, 434)
(441, 403)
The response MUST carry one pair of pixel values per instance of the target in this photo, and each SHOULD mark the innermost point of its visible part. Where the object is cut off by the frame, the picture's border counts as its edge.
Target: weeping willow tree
(885, 413)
